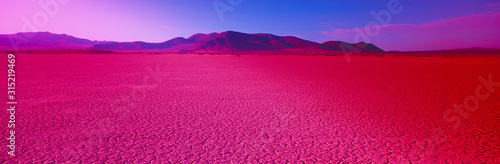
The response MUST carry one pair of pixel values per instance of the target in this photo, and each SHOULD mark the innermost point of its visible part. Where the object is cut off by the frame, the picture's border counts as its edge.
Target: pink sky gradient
(97, 20)
(470, 31)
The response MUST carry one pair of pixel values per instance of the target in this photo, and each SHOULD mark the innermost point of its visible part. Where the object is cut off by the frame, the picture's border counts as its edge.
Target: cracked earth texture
(251, 109)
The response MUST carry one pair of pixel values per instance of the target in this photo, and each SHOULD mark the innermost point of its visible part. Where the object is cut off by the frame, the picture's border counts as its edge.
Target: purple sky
(413, 24)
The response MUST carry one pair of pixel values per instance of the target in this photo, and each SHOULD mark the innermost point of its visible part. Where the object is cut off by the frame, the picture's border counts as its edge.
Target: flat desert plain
(184, 108)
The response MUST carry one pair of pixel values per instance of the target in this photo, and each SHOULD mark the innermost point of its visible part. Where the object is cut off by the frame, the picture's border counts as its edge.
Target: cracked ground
(187, 108)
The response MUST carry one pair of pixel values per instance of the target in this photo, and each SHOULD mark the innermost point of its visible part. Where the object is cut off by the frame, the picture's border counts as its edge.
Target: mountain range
(229, 41)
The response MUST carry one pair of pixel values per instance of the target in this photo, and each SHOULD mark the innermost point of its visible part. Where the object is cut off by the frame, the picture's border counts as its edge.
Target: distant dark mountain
(229, 41)
(362, 46)
(475, 50)
(140, 46)
(463, 52)
(202, 37)
(241, 42)
(176, 44)
(44, 41)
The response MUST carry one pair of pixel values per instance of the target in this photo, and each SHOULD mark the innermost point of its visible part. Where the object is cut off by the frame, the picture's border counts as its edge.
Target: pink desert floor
(188, 108)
